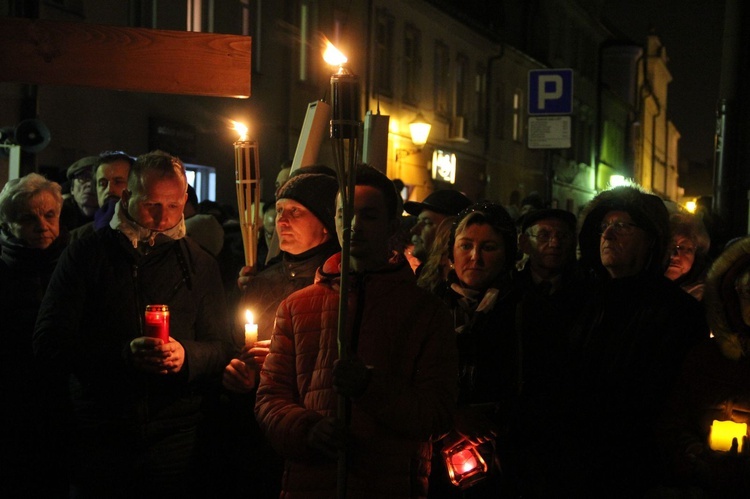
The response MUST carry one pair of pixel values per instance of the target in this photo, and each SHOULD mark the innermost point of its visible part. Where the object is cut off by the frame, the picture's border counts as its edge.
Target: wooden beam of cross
(132, 59)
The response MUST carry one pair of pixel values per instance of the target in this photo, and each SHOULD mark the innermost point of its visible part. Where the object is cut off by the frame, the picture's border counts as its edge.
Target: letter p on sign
(550, 91)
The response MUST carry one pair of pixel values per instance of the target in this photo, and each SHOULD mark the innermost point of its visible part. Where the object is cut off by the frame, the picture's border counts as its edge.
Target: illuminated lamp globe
(420, 130)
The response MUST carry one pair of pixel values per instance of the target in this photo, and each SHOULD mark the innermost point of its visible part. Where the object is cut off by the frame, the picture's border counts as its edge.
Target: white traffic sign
(549, 132)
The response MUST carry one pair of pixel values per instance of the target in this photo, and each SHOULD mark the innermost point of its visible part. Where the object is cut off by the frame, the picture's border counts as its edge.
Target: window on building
(412, 64)
(499, 111)
(383, 50)
(517, 116)
(442, 79)
(480, 98)
(462, 85)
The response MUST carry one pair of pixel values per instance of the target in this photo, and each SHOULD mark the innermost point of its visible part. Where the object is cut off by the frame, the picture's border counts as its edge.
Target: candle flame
(333, 56)
(241, 128)
(249, 316)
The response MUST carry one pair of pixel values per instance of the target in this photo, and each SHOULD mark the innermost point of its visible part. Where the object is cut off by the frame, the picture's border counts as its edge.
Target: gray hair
(17, 192)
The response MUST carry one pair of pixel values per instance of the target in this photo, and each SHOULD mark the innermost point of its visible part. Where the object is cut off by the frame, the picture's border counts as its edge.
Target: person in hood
(628, 344)
(715, 386)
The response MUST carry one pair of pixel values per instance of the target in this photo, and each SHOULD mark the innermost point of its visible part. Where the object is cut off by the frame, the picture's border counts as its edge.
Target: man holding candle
(400, 374)
(136, 400)
(306, 229)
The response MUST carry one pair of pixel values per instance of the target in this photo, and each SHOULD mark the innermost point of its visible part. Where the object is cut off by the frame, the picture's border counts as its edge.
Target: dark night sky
(691, 31)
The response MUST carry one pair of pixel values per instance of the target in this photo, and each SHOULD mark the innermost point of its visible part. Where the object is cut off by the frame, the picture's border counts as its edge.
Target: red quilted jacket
(406, 335)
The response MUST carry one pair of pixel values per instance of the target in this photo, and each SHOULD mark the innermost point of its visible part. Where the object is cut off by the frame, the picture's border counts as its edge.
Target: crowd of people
(575, 355)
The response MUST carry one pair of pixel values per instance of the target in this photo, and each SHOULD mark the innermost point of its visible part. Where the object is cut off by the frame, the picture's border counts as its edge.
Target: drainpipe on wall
(488, 99)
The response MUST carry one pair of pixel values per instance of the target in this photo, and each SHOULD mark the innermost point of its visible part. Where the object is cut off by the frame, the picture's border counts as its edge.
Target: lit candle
(251, 329)
(464, 462)
(722, 433)
(157, 322)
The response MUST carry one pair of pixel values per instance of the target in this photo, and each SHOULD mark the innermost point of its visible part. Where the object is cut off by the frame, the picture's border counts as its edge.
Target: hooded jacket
(714, 385)
(628, 345)
(400, 330)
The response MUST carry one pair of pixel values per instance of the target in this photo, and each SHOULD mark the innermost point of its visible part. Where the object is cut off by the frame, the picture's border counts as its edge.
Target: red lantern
(465, 464)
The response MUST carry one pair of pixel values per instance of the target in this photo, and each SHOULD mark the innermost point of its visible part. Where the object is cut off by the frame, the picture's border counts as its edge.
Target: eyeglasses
(683, 250)
(545, 236)
(620, 228)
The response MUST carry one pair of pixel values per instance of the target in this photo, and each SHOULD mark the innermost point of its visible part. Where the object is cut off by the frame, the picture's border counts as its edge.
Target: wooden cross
(134, 59)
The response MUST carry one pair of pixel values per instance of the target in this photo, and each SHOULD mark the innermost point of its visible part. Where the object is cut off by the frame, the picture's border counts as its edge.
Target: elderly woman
(482, 253)
(688, 260)
(715, 386)
(30, 244)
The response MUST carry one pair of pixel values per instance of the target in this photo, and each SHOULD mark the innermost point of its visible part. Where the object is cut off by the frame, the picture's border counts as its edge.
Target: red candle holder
(157, 322)
(465, 464)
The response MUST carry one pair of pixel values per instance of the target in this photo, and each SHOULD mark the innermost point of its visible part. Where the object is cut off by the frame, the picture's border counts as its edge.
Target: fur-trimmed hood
(647, 210)
(722, 303)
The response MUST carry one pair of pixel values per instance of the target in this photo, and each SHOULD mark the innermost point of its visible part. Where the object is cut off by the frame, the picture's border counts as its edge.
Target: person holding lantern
(482, 251)
(398, 375)
(137, 400)
(705, 424)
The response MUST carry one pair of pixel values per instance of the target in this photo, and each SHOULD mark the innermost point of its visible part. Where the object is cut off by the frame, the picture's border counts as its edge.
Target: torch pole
(247, 180)
(345, 132)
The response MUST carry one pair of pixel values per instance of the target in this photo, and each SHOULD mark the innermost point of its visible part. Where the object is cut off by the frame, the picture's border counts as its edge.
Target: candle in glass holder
(464, 463)
(723, 432)
(157, 322)
(251, 329)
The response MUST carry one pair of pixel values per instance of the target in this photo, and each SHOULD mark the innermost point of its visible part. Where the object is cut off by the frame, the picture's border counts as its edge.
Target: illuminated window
(517, 117)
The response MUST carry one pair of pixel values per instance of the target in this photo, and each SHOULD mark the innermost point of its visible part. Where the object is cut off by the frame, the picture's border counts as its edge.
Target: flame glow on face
(333, 56)
(241, 129)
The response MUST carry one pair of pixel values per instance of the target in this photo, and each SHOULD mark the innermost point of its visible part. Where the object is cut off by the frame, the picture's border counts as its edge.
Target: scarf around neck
(136, 233)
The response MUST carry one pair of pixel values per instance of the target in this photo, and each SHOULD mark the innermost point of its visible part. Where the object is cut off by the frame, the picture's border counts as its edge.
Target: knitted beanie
(316, 192)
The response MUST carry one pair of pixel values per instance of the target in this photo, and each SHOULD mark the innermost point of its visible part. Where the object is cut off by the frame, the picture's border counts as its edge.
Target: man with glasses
(629, 342)
(80, 207)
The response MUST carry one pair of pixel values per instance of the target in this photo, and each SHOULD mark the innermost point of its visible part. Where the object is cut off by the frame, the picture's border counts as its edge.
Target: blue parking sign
(550, 91)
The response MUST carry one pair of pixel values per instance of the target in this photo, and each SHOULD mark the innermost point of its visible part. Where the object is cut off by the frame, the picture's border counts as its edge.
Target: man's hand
(152, 355)
(246, 275)
(238, 377)
(256, 354)
(327, 436)
(351, 377)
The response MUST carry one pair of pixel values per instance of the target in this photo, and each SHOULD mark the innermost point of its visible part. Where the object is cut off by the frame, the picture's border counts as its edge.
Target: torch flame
(241, 128)
(333, 56)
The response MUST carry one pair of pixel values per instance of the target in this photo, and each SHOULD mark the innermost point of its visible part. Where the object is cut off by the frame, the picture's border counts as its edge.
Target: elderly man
(136, 399)
(400, 376)
(434, 209)
(629, 342)
(111, 179)
(79, 208)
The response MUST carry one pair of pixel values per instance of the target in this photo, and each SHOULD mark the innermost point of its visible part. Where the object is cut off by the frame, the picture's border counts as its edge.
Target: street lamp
(419, 128)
